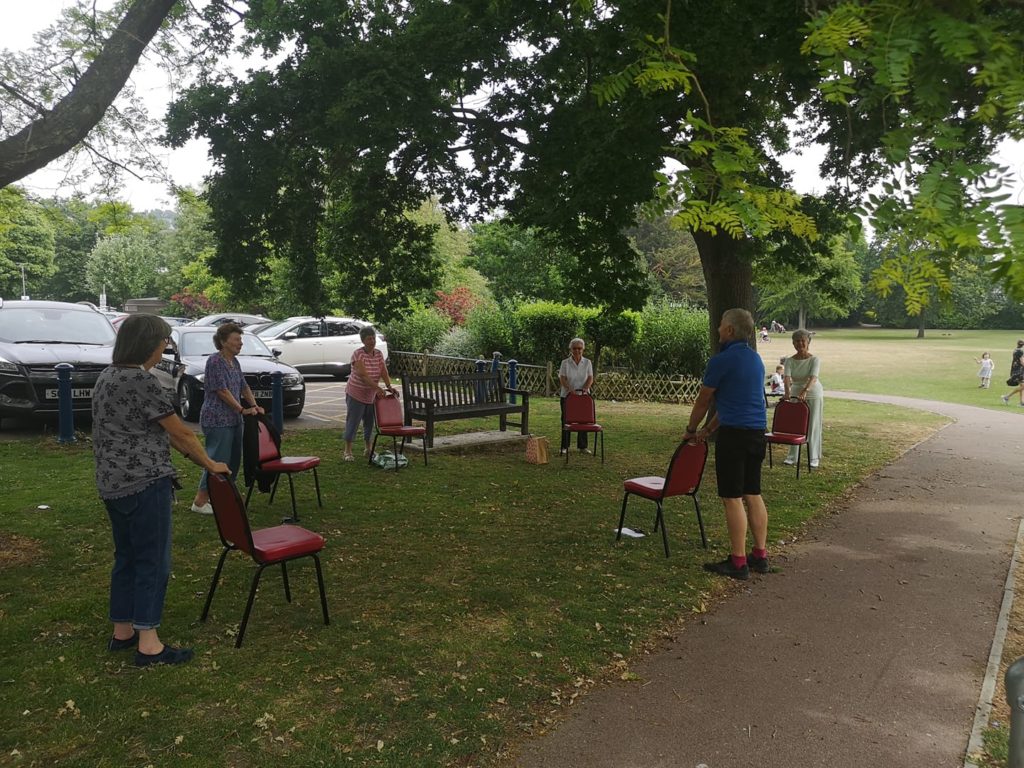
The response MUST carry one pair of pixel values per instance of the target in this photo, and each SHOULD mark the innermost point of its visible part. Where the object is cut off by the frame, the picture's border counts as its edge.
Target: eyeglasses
(577, 349)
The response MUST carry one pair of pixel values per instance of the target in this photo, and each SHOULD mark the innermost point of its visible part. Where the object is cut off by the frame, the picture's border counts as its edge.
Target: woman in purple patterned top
(227, 398)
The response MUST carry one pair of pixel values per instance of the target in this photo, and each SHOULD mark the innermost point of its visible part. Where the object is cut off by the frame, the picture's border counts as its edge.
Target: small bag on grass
(386, 460)
(537, 450)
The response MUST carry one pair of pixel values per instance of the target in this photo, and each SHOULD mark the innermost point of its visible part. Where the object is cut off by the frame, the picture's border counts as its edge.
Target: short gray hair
(800, 333)
(137, 337)
(577, 340)
(741, 320)
(366, 332)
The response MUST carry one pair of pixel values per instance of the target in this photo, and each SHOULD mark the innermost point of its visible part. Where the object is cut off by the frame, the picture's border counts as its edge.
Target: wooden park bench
(461, 396)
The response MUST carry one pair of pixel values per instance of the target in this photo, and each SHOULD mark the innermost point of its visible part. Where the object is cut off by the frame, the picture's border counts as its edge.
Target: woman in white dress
(802, 383)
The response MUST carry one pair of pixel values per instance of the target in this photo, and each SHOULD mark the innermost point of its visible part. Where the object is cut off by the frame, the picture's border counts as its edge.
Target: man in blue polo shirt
(734, 379)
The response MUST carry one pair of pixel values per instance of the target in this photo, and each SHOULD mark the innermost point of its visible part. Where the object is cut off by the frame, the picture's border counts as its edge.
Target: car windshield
(198, 344)
(54, 325)
(274, 329)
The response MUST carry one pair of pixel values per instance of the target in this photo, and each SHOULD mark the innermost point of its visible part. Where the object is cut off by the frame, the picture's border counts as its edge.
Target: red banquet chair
(682, 479)
(581, 416)
(390, 418)
(789, 427)
(267, 546)
(271, 462)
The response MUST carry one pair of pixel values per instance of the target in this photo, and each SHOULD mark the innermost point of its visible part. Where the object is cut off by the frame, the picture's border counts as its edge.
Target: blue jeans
(223, 444)
(358, 412)
(141, 525)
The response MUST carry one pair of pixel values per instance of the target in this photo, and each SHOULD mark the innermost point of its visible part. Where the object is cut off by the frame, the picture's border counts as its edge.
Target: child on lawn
(985, 372)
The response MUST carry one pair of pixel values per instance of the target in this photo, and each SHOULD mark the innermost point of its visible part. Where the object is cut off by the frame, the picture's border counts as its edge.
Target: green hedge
(419, 330)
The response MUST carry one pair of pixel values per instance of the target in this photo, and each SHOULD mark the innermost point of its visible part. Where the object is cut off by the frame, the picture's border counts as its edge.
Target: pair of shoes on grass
(742, 572)
(168, 655)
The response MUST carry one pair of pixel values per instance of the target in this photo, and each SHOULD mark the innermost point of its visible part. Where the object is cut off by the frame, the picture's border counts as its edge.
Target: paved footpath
(867, 649)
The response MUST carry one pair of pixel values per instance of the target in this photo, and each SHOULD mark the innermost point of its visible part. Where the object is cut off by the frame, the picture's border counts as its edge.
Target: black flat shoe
(168, 655)
(113, 644)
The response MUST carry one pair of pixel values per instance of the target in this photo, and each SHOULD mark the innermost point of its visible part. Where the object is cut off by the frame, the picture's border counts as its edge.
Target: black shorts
(739, 454)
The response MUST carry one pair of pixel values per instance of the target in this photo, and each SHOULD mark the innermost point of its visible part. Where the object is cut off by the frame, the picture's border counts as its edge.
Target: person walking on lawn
(734, 380)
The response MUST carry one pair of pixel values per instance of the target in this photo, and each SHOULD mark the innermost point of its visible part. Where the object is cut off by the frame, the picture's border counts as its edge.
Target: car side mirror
(277, 352)
(290, 335)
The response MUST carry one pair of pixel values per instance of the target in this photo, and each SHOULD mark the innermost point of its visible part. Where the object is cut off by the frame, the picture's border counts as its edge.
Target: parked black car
(194, 344)
(37, 335)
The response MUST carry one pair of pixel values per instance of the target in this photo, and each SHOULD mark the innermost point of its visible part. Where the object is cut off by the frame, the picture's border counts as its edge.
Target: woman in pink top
(368, 369)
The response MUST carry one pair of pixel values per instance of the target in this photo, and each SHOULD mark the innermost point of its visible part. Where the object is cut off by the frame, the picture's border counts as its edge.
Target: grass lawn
(471, 600)
(893, 362)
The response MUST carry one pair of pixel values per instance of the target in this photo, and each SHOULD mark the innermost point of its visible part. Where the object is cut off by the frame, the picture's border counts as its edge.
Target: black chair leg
(284, 578)
(213, 584)
(248, 605)
(622, 516)
(320, 583)
(248, 493)
(566, 440)
(316, 483)
(700, 521)
(664, 528)
(394, 449)
(770, 465)
(799, 450)
(373, 447)
(424, 450)
(291, 487)
(601, 435)
(273, 488)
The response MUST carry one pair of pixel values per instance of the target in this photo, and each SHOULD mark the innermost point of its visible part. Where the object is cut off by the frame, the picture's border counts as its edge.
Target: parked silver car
(318, 344)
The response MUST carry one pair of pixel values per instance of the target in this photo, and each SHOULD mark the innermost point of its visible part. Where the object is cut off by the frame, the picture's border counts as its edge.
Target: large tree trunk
(920, 325)
(728, 275)
(70, 121)
(802, 318)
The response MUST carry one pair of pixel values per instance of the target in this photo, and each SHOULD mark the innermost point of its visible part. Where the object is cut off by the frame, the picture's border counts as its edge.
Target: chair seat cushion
(786, 438)
(583, 427)
(403, 431)
(649, 487)
(285, 541)
(291, 464)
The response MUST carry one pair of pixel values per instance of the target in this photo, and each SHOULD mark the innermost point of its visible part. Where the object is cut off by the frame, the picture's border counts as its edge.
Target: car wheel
(191, 400)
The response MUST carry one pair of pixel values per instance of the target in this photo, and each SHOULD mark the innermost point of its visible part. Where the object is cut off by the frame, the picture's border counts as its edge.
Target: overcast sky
(187, 166)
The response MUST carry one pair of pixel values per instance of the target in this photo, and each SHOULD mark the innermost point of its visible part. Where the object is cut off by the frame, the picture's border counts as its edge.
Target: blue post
(64, 405)
(277, 401)
(481, 366)
(513, 378)
(480, 395)
(495, 362)
(1014, 680)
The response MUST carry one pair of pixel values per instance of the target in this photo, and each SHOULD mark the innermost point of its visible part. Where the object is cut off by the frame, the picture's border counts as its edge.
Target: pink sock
(759, 553)
(738, 561)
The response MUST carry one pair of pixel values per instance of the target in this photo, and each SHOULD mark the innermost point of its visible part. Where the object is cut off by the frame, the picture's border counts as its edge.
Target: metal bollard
(495, 362)
(513, 378)
(1015, 698)
(65, 409)
(277, 401)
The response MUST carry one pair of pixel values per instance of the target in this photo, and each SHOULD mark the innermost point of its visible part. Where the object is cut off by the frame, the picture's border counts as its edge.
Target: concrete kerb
(984, 709)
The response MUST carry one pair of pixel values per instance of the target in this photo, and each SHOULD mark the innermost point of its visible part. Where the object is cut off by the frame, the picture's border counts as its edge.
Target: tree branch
(69, 122)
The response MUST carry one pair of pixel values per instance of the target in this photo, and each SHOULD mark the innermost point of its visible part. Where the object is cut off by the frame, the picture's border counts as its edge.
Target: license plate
(262, 394)
(83, 393)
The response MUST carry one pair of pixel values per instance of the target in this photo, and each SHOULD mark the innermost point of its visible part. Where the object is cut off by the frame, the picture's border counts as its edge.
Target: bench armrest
(523, 392)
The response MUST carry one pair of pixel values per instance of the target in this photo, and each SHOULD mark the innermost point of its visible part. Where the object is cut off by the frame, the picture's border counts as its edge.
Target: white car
(318, 344)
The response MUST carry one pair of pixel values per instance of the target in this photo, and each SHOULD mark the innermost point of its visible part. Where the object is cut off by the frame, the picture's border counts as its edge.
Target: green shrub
(611, 334)
(458, 342)
(419, 330)
(490, 329)
(672, 340)
(544, 330)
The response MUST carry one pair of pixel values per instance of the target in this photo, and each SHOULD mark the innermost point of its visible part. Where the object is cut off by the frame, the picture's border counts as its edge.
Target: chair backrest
(686, 469)
(229, 512)
(388, 411)
(791, 417)
(579, 409)
(268, 446)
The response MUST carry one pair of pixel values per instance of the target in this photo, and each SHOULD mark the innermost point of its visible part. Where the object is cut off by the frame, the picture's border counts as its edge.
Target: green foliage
(672, 340)
(26, 239)
(673, 263)
(457, 342)
(517, 262)
(614, 330)
(544, 329)
(124, 264)
(492, 328)
(75, 234)
(418, 330)
(921, 279)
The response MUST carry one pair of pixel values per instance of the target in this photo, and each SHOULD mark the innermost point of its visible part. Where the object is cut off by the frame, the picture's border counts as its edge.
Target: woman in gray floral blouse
(134, 425)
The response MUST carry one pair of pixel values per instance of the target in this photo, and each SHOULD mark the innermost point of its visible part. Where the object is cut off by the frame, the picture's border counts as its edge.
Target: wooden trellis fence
(543, 379)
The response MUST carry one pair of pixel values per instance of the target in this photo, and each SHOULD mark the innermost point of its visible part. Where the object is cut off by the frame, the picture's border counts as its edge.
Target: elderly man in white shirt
(576, 374)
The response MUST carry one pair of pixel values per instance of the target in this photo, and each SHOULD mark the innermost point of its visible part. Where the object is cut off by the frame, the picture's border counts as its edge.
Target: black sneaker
(168, 655)
(726, 568)
(759, 564)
